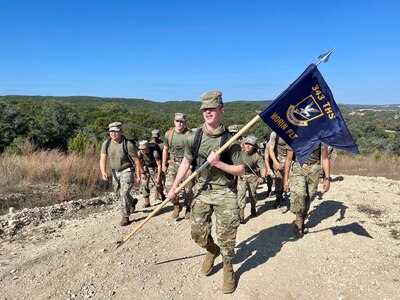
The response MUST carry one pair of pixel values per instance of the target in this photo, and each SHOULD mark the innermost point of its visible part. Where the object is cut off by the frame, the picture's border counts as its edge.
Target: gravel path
(69, 251)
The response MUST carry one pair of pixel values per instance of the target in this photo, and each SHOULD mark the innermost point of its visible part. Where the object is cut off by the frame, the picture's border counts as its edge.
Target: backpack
(155, 147)
(196, 146)
(150, 156)
(124, 147)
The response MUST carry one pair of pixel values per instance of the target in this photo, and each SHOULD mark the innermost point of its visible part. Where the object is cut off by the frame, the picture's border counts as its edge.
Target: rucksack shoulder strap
(170, 135)
(196, 143)
(108, 145)
(225, 137)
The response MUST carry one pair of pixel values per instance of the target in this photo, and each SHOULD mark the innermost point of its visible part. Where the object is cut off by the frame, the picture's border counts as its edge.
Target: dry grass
(373, 166)
(39, 178)
(47, 177)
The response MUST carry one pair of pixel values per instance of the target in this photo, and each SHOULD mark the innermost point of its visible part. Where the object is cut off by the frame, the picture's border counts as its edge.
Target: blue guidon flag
(306, 114)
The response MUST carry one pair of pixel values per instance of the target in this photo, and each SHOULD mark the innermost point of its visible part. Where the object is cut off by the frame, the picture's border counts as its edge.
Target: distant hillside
(65, 122)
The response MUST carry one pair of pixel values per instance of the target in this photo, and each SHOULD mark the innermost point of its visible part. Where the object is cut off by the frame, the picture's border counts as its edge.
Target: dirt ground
(351, 252)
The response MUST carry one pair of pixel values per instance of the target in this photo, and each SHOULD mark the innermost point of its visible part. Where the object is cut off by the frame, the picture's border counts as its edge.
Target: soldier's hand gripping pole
(187, 180)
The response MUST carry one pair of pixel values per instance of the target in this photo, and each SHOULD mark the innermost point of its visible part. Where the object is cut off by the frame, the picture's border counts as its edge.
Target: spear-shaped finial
(324, 57)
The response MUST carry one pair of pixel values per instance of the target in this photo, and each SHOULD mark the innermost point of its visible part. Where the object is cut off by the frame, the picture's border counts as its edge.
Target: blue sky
(176, 50)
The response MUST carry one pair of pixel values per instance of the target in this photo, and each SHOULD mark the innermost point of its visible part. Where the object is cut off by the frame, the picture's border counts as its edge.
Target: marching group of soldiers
(222, 187)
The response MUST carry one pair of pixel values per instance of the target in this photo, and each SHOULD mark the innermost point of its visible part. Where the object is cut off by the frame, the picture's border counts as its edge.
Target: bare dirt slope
(351, 252)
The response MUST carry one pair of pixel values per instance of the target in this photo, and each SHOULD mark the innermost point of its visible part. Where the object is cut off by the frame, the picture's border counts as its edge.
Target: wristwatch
(328, 178)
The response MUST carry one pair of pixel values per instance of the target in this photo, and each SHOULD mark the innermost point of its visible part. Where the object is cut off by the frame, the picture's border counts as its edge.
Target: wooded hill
(74, 123)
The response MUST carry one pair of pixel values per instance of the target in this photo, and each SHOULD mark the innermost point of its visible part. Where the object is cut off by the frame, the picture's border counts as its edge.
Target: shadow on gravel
(325, 210)
(337, 178)
(352, 227)
(260, 247)
(329, 208)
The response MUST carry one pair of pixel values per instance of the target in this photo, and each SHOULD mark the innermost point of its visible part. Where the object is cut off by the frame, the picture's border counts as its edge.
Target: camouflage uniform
(149, 161)
(175, 150)
(249, 181)
(304, 182)
(155, 138)
(279, 146)
(270, 177)
(213, 191)
(122, 173)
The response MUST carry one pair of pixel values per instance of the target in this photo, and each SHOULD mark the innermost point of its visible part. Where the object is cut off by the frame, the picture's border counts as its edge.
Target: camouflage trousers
(123, 182)
(279, 175)
(303, 187)
(246, 182)
(223, 202)
(186, 193)
(150, 185)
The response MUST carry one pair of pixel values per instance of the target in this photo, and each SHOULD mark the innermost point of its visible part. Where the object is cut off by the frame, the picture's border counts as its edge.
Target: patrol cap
(234, 128)
(116, 126)
(251, 139)
(155, 133)
(180, 117)
(211, 100)
(143, 144)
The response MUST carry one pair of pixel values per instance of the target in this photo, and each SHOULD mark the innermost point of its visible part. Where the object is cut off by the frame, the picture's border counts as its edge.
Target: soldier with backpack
(254, 165)
(304, 180)
(123, 160)
(172, 157)
(155, 139)
(150, 156)
(213, 192)
(277, 152)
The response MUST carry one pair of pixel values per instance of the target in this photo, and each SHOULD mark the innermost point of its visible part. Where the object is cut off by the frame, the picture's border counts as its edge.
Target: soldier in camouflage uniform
(152, 165)
(277, 152)
(213, 192)
(268, 165)
(304, 182)
(233, 129)
(122, 168)
(155, 139)
(172, 157)
(254, 163)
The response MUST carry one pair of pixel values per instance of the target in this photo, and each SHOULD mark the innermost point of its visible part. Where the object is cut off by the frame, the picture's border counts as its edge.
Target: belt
(309, 165)
(211, 187)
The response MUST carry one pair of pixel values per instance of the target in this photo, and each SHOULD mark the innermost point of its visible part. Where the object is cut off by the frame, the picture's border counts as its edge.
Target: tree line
(76, 123)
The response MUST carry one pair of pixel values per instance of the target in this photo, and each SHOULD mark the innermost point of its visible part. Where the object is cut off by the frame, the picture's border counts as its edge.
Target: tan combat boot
(187, 213)
(298, 226)
(241, 215)
(146, 202)
(124, 221)
(212, 253)
(229, 285)
(177, 210)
